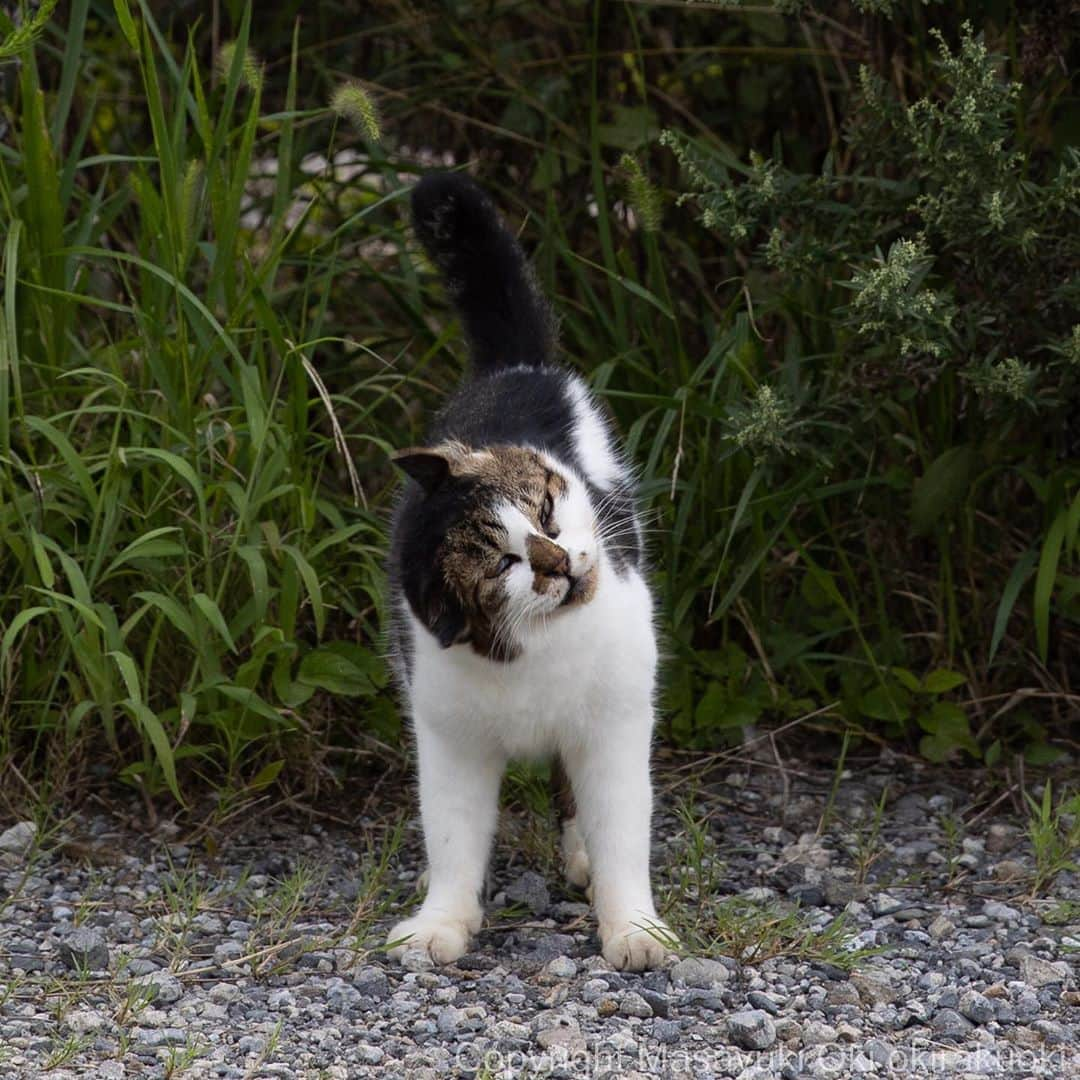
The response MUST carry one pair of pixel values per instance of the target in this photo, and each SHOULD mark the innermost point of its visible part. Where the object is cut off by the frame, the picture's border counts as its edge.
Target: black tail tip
(449, 210)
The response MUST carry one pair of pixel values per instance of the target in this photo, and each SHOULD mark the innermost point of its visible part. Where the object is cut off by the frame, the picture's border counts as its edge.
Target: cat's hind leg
(574, 856)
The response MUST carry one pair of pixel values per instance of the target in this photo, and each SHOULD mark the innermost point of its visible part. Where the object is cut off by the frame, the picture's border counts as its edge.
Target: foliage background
(821, 260)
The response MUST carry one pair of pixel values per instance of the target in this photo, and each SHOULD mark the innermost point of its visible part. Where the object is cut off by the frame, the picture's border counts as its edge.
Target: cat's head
(497, 541)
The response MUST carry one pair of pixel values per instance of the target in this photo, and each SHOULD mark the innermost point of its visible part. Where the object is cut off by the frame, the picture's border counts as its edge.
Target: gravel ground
(879, 927)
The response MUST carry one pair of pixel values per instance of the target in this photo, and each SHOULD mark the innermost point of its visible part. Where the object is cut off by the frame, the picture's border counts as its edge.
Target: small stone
(562, 1031)
(842, 993)
(417, 960)
(280, 999)
(162, 987)
(1010, 870)
(807, 895)
(752, 1029)
(949, 1024)
(787, 1029)
(607, 1005)
(19, 839)
(817, 1034)
(839, 887)
(1024, 1037)
(84, 1021)
(368, 1054)
(531, 890)
(1000, 912)
(227, 952)
(659, 1003)
(1054, 1033)
(910, 913)
(758, 894)
(1043, 972)
(978, 1008)
(542, 950)
(633, 1004)
(1027, 1005)
(700, 972)
(562, 967)
(760, 1000)
(703, 999)
(1001, 838)
(941, 928)
(878, 1051)
(155, 1037)
(756, 1071)
(224, 993)
(372, 982)
(449, 1019)
(874, 989)
(666, 1032)
(84, 949)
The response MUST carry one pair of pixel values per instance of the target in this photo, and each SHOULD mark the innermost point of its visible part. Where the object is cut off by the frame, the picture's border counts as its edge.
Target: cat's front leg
(459, 792)
(613, 792)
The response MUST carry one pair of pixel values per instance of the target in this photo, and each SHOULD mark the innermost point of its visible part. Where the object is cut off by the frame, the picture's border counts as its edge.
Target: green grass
(1054, 832)
(201, 375)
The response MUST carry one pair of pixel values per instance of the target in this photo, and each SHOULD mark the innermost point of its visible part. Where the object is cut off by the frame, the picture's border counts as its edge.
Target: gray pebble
(949, 1024)
(759, 1000)
(633, 1004)
(162, 987)
(531, 890)
(978, 1008)
(84, 949)
(372, 982)
(19, 839)
(752, 1029)
(700, 972)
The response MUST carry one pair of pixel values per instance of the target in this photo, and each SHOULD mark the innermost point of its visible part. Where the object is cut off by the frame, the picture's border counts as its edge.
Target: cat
(522, 623)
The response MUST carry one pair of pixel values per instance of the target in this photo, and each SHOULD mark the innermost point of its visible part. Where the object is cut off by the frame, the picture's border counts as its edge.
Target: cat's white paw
(442, 937)
(637, 943)
(575, 858)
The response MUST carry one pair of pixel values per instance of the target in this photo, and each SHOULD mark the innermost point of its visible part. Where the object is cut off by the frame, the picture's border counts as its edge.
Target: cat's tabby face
(509, 540)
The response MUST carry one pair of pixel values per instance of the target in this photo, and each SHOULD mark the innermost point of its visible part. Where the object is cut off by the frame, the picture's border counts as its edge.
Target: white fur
(583, 687)
(592, 439)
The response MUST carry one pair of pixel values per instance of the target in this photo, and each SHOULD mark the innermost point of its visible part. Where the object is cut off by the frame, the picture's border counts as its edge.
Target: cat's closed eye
(545, 516)
(505, 563)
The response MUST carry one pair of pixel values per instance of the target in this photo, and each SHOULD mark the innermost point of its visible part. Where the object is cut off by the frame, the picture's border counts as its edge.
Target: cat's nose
(546, 558)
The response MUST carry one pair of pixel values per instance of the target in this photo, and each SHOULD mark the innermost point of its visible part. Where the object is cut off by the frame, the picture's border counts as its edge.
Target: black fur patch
(506, 319)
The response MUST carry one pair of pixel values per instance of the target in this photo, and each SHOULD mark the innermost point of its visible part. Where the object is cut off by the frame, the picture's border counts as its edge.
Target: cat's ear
(430, 466)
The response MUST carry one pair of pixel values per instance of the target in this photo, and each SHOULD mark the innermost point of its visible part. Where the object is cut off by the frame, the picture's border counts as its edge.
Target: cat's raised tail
(490, 281)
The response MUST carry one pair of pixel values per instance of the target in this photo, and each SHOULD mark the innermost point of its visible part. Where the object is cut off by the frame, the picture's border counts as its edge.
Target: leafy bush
(917, 304)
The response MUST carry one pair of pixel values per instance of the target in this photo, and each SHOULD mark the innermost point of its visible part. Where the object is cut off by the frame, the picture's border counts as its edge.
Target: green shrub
(917, 308)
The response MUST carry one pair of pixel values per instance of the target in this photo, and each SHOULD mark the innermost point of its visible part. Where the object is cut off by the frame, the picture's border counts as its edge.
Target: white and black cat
(522, 622)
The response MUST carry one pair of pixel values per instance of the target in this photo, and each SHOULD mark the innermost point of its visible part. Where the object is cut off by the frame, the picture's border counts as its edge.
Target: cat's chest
(573, 680)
